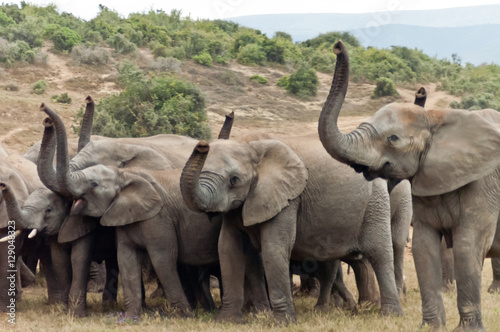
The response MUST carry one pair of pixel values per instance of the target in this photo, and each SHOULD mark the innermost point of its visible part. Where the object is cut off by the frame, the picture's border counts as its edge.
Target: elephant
(146, 209)
(451, 158)
(281, 193)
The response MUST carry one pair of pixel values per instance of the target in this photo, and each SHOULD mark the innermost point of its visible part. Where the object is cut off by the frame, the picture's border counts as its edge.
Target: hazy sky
(219, 9)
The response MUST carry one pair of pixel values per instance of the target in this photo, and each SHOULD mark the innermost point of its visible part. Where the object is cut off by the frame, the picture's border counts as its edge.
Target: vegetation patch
(39, 87)
(63, 98)
(258, 79)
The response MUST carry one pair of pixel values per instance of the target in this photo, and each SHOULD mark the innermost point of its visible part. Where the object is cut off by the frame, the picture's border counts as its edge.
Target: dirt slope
(227, 88)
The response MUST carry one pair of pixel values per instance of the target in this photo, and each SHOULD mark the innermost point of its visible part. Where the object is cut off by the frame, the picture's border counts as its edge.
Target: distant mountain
(471, 32)
(475, 44)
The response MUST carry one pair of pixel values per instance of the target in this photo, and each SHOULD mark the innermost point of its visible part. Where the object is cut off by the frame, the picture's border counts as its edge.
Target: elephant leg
(339, 288)
(277, 240)
(205, 297)
(469, 258)
(365, 281)
(448, 268)
(400, 228)
(164, 260)
(255, 282)
(309, 285)
(81, 257)
(27, 276)
(232, 263)
(130, 263)
(426, 248)
(495, 285)
(55, 262)
(110, 290)
(327, 272)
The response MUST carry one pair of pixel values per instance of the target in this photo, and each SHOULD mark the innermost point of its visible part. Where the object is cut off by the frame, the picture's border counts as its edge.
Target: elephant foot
(226, 316)
(79, 312)
(391, 310)
(471, 324)
(434, 328)
(324, 307)
(494, 287)
(285, 319)
(185, 313)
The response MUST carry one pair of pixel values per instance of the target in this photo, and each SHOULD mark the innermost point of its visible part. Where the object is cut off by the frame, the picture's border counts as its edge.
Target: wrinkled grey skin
(293, 201)
(452, 159)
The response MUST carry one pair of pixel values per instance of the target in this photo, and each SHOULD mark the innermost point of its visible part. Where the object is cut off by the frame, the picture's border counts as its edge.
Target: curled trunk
(348, 148)
(225, 131)
(86, 128)
(192, 193)
(45, 161)
(420, 97)
(13, 210)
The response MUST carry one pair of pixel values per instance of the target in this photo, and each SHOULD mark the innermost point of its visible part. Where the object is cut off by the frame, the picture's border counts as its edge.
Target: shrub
(304, 82)
(229, 77)
(63, 98)
(16, 51)
(121, 44)
(65, 39)
(222, 60)
(11, 87)
(251, 54)
(258, 79)
(163, 104)
(282, 81)
(39, 87)
(165, 65)
(385, 87)
(323, 61)
(204, 59)
(160, 51)
(90, 55)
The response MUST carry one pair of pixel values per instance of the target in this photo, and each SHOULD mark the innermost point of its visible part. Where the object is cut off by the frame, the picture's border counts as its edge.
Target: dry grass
(34, 315)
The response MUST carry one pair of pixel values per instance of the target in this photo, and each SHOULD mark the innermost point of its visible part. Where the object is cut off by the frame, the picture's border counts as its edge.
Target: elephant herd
(253, 210)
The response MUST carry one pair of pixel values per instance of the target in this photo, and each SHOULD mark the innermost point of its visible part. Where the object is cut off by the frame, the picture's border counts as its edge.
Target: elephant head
(260, 177)
(437, 150)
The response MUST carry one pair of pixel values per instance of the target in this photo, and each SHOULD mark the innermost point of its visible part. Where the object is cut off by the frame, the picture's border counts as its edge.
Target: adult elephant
(281, 193)
(452, 159)
(146, 208)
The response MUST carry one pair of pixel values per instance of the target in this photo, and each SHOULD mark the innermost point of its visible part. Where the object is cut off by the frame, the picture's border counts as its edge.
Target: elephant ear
(75, 227)
(282, 176)
(137, 201)
(463, 149)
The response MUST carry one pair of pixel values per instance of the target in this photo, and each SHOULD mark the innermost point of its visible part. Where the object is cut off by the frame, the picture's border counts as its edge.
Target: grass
(34, 315)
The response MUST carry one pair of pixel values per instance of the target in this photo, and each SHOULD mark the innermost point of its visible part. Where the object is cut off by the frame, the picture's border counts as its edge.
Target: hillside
(257, 107)
(436, 32)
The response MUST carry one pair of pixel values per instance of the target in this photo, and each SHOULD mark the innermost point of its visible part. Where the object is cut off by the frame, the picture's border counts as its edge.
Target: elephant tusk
(8, 237)
(32, 233)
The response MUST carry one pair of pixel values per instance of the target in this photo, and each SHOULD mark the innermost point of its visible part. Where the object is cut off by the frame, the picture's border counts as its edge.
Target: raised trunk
(193, 194)
(348, 148)
(420, 97)
(226, 127)
(15, 213)
(65, 179)
(45, 162)
(86, 129)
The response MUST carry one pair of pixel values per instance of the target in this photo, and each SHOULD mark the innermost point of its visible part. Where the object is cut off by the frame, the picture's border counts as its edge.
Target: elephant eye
(94, 184)
(233, 181)
(48, 210)
(393, 138)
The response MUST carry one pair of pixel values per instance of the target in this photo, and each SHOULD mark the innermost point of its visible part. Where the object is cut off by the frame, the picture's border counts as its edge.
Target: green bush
(16, 51)
(323, 61)
(160, 50)
(303, 82)
(121, 44)
(222, 60)
(6, 20)
(385, 87)
(258, 79)
(282, 81)
(39, 87)
(204, 59)
(63, 98)
(251, 54)
(163, 104)
(65, 39)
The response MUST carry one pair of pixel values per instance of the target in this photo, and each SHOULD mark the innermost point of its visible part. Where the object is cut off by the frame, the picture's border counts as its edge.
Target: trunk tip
(421, 93)
(230, 115)
(42, 107)
(3, 186)
(88, 100)
(202, 147)
(338, 47)
(47, 122)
